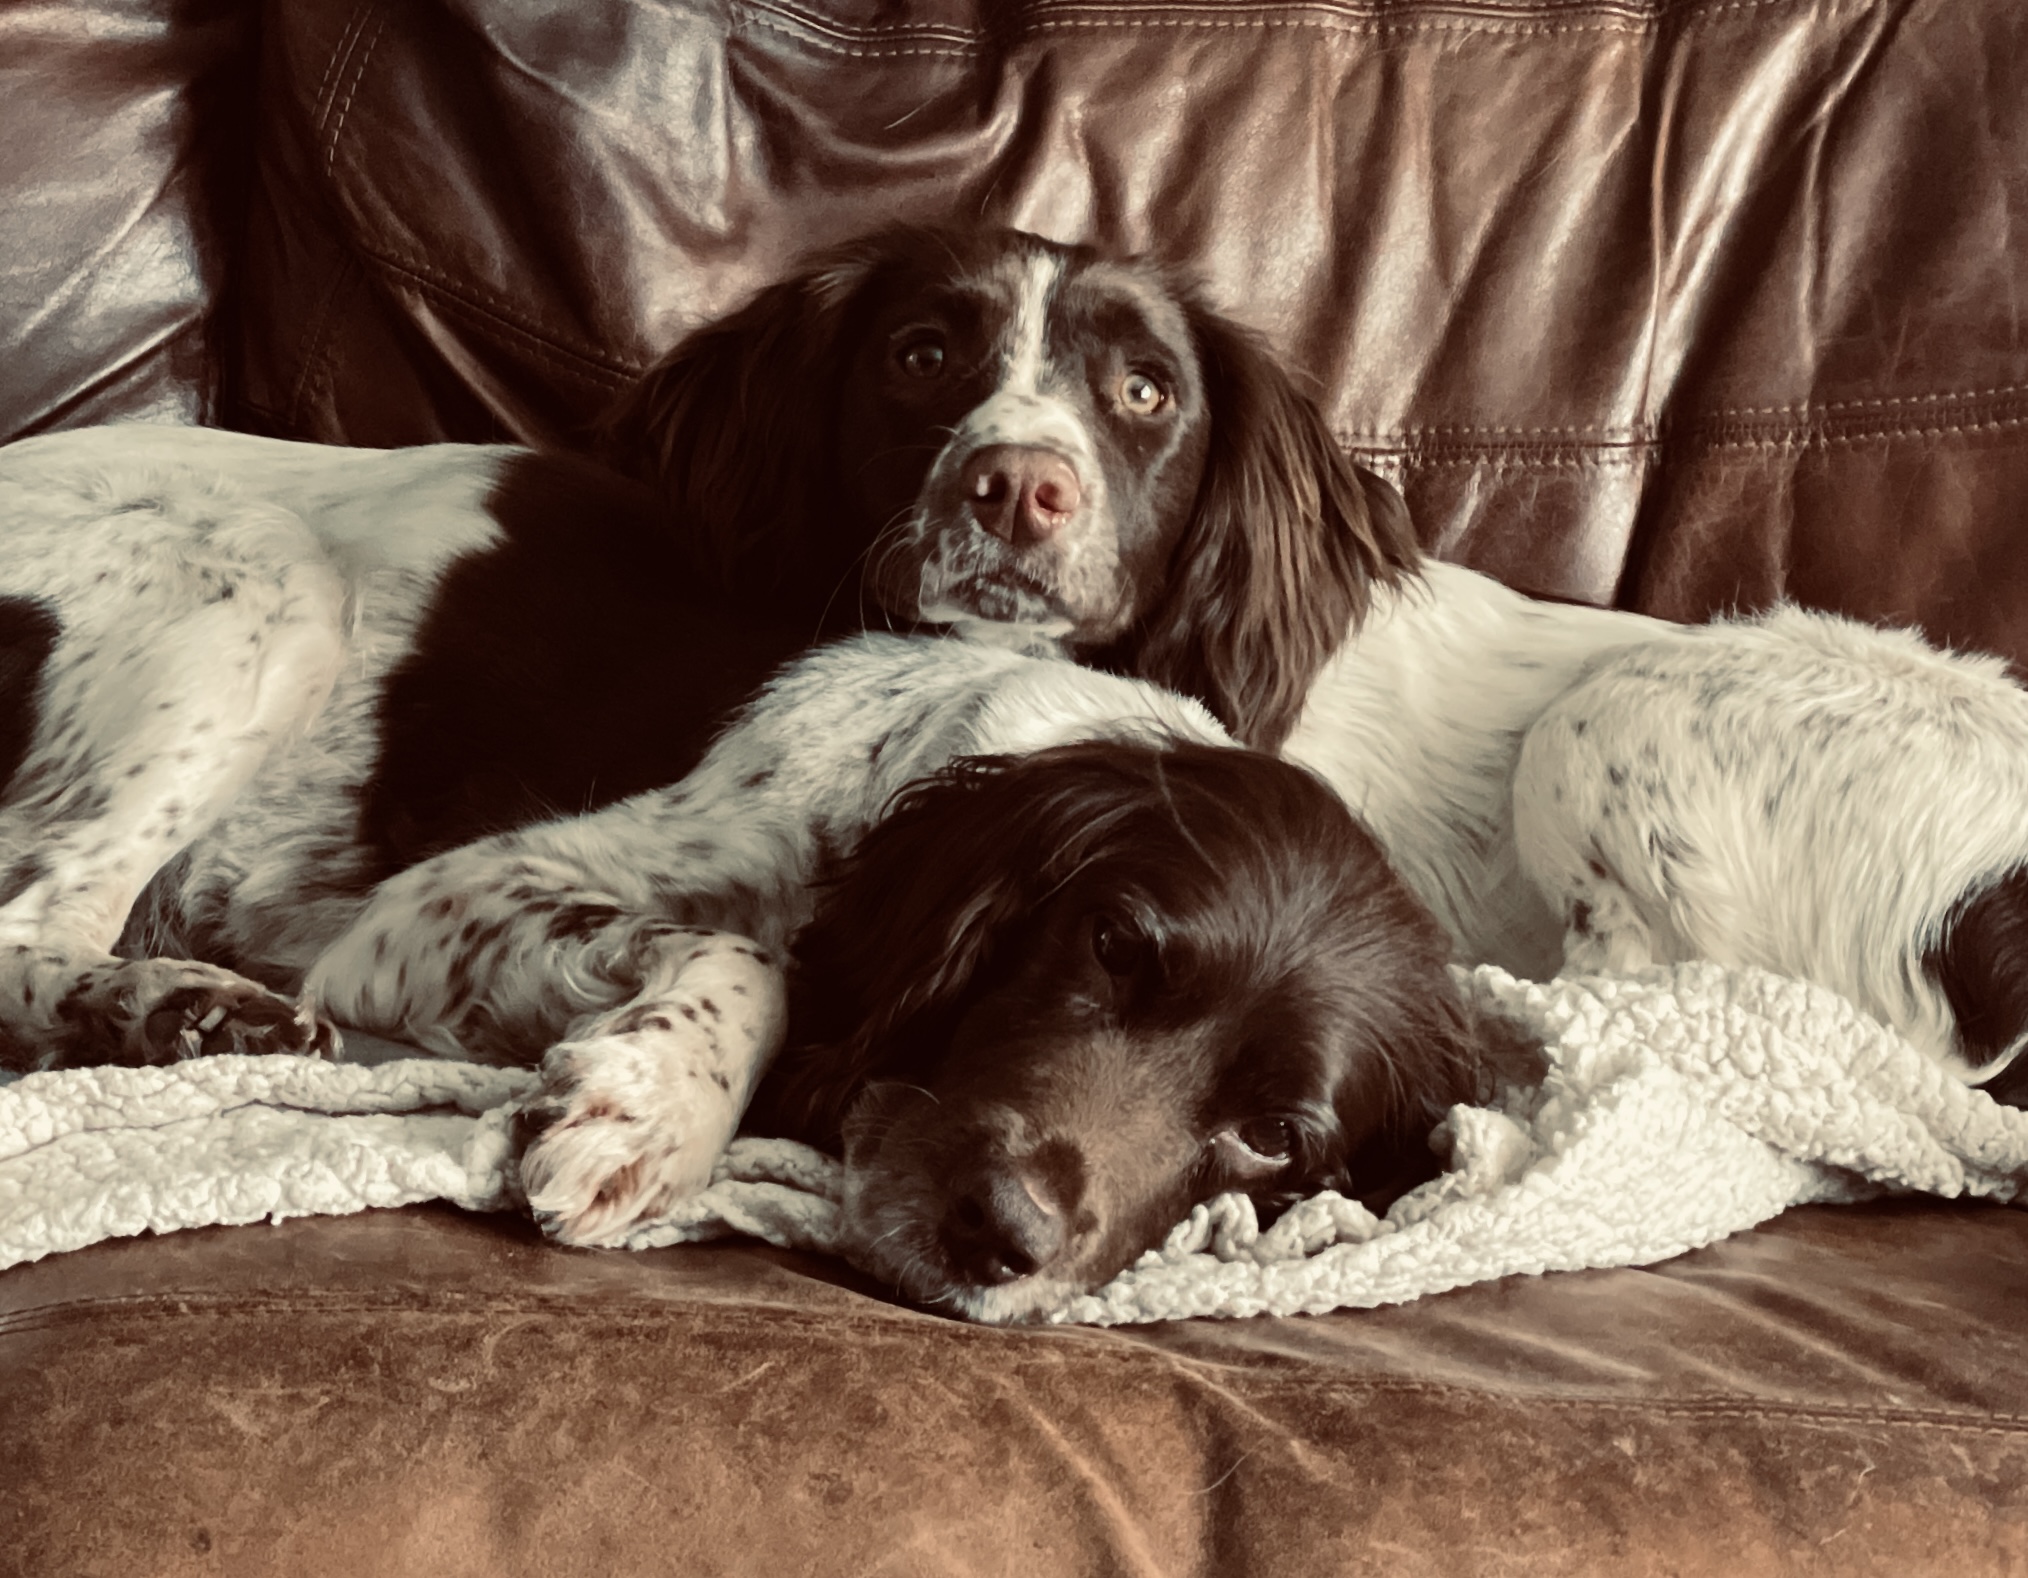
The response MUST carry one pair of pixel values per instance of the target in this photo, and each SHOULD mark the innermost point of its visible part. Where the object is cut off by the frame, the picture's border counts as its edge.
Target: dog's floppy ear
(1287, 540)
(732, 425)
(1442, 1052)
(920, 914)
(902, 928)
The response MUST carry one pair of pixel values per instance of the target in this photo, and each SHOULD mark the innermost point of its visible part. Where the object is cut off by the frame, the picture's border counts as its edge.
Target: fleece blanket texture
(1681, 1104)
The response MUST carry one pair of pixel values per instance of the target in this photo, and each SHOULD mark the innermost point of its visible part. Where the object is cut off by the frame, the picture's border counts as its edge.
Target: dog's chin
(1037, 638)
(1007, 597)
(889, 1221)
(1033, 600)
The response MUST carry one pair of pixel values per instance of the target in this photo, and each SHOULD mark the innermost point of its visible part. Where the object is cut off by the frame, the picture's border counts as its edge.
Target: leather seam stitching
(1513, 460)
(351, 93)
(326, 86)
(1652, 433)
(1218, 13)
(816, 33)
(1881, 402)
(1709, 434)
(1806, 440)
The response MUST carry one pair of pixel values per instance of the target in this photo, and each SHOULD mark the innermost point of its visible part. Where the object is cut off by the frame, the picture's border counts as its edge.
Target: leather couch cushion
(1844, 1391)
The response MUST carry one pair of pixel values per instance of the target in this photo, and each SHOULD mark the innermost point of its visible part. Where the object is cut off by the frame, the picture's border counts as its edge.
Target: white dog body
(230, 607)
(1570, 787)
(1418, 723)
(1799, 792)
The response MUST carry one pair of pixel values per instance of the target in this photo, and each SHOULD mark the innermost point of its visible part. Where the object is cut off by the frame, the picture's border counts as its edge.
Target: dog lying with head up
(1084, 459)
(248, 679)
(417, 741)
(1560, 784)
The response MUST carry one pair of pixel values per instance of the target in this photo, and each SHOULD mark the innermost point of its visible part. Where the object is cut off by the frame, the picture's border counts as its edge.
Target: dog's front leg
(657, 1033)
(656, 1020)
(638, 1104)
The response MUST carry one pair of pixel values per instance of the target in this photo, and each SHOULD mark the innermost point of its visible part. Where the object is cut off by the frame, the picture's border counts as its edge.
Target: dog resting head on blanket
(1053, 1002)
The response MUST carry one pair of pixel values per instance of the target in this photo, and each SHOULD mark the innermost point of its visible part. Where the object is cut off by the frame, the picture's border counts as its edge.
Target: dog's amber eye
(922, 357)
(1121, 948)
(1271, 1139)
(1141, 395)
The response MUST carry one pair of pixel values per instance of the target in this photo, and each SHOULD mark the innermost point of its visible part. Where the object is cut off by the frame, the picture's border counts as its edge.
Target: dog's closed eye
(1124, 949)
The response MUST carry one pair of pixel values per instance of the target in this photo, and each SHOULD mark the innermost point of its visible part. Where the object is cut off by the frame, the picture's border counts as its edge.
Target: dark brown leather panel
(1839, 1391)
(1722, 265)
(124, 141)
(1916, 523)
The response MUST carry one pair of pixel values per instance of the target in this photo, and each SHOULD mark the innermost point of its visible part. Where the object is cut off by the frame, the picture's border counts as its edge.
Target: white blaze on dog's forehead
(1031, 280)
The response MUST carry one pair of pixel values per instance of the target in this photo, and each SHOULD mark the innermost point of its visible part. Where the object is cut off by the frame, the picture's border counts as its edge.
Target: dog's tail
(1981, 965)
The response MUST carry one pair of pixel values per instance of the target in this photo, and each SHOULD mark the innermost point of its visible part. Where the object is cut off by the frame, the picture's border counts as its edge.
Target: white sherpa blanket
(1681, 1105)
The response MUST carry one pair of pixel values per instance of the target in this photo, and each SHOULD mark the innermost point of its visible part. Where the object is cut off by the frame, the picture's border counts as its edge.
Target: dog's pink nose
(1021, 495)
(1002, 1227)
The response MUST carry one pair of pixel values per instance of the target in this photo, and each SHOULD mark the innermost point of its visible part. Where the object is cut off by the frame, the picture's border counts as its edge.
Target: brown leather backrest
(1677, 303)
(125, 146)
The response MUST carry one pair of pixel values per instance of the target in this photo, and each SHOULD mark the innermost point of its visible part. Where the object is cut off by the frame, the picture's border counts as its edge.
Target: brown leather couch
(1673, 304)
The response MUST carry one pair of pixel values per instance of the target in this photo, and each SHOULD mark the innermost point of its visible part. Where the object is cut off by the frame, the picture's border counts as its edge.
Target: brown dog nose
(1020, 494)
(1002, 1227)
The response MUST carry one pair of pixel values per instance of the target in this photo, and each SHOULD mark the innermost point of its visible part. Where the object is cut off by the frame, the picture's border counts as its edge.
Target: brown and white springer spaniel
(422, 735)
(1564, 786)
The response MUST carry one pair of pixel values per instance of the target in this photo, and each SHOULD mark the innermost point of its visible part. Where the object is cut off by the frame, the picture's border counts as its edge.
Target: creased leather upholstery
(1678, 304)
(124, 130)
(1682, 305)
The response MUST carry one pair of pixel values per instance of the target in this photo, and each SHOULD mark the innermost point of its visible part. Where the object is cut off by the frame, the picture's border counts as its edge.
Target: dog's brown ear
(928, 906)
(902, 928)
(732, 425)
(1282, 553)
(1449, 1053)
